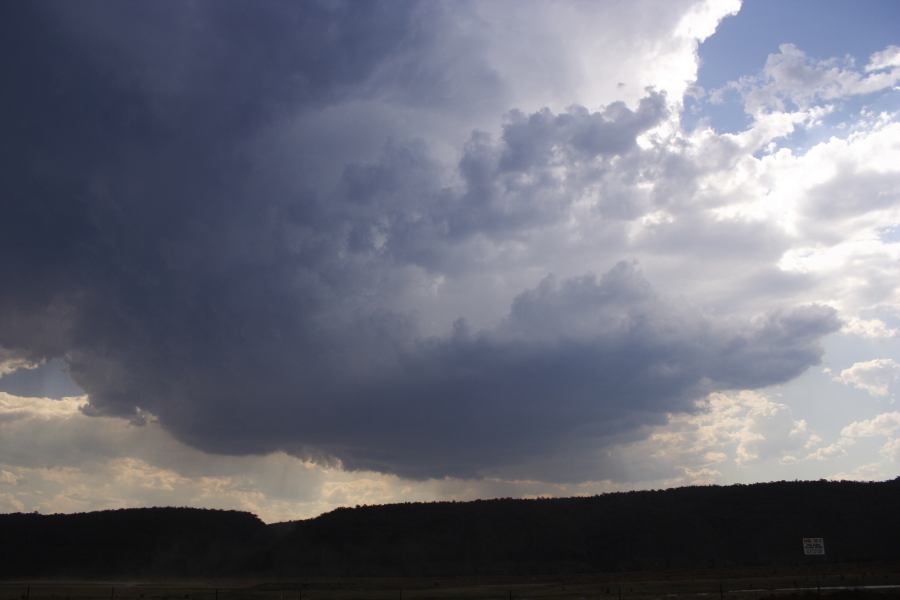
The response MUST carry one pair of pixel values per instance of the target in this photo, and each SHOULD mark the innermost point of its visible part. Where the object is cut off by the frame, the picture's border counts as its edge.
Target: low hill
(691, 527)
(164, 542)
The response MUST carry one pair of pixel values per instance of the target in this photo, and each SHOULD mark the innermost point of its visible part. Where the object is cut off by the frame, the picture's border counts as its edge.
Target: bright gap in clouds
(296, 257)
(825, 30)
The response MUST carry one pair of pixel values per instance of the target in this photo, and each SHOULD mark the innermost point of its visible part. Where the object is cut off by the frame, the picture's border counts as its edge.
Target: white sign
(813, 546)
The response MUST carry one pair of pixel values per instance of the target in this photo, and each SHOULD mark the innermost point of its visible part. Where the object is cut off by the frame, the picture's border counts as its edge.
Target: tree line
(680, 528)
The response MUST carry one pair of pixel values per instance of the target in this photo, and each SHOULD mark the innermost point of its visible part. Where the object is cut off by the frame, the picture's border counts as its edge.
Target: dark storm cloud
(529, 140)
(146, 244)
(514, 184)
(580, 361)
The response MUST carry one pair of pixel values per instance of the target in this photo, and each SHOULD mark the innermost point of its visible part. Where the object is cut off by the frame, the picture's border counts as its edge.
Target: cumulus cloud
(790, 79)
(884, 425)
(891, 449)
(881, 425)
(869, 328)
(576, 362)
(731, 432)
(888, 58)
(876, 376)
(10, 363)
(867, 472)
(364, 235)
(580, 361)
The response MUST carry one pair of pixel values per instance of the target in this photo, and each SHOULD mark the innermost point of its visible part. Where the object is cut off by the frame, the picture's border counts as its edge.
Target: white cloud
(875, 376)
(10, 504)
(792, 79)
(730, 432)
(866, 472)
(884, 425)
(8, 478)
(888, 58)
(869, 328)
(16, 407)
(9, 363)
(891, 449)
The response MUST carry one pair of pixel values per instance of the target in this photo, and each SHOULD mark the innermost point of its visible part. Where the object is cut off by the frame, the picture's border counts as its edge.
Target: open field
(835, 581)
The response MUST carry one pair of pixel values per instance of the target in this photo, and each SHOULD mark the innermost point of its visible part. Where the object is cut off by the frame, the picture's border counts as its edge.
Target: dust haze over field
(285, 257)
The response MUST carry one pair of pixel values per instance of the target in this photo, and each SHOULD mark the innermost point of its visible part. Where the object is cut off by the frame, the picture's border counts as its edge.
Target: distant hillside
(693, 527)
(166, 542)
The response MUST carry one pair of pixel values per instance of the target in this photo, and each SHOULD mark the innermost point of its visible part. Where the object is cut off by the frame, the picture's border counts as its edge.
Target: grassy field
(833, 581)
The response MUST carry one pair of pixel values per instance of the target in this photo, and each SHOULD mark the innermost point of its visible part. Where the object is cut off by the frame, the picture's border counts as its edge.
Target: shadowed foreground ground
(832, 581)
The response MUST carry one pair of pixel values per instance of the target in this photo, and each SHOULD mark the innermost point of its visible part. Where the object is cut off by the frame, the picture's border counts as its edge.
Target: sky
(284, 257)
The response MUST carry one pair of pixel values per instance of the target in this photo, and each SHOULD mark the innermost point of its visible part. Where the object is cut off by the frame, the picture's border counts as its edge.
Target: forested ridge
(689, 527)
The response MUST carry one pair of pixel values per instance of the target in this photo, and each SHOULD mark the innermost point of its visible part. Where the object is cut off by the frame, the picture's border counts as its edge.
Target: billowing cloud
(875, 376)
(575, 363)
(791, 79)
(870, 328)
(57, 459)
(404, 238)
(888, 58)
(884, 426)
(729, 433)
(10, 364)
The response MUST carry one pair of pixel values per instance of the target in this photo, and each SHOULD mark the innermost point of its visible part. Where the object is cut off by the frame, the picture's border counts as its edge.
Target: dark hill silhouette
(168, 542)
(691, 527)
